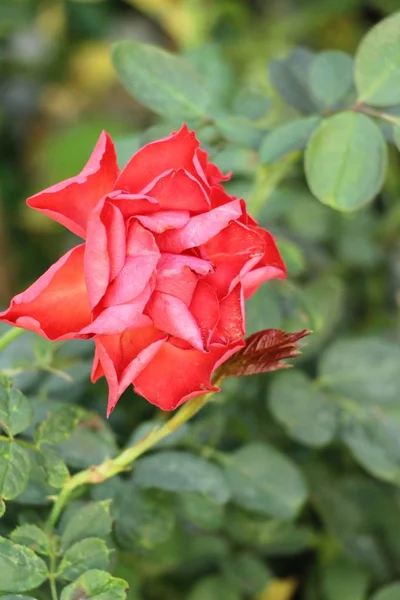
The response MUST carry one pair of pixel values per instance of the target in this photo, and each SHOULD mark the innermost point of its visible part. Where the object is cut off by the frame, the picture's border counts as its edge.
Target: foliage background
(323, 439)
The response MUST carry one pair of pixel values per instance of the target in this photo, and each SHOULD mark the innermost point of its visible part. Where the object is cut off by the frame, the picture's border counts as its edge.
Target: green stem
(4, 438)
(367, 110)
(10, 336)
(52, 575)
(124, 460)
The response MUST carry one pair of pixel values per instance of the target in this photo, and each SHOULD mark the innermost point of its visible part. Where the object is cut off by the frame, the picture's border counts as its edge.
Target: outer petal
(170, 314)
(56, 306)
(271, 266)
(123, 357)
(200, 229)
(233, 252)
(175, 375)
(71, 201)
(173, 152)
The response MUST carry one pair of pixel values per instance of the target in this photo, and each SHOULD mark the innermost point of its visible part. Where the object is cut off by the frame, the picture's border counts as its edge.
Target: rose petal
(115, 319)
(211, 172)
(56, 306)
(271, 266)
(141, 260)
(163, 220)
(131, 205)
(123, 357)
(200, 229)
(71, 201)
(179, 190)
(177, 275)
(231, 325)
(173, 152)
(170, 314)
(105, 249)
(205, 309)
(175, 375)
(233, 252)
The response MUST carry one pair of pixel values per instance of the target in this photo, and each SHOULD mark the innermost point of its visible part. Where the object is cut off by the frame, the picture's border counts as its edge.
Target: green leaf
(287, 138)
(58, 426)
(20, 568)
(213, 587)
(307, 413)
(346, 160)
(181, 472)
(55, 469)
(377, 64)
(144, 519)
(15, 466)
(292, 255)
(364, 373)
(92, 520)
(239, 130)
(248, 573)
(33, 537)
(396, 135)
(16, 412)
(344, 580)
(165, 83)
(331, 76)
(90, 553)
(388, 592)
(265, 481)
(365, 369)
(91, 443)
(263, 309)
(290, 77)
(202, 511)
(251, 103)
(216, 71)
(95, 585)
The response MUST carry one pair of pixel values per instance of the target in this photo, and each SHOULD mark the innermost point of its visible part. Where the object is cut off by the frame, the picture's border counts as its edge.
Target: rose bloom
(160, 281)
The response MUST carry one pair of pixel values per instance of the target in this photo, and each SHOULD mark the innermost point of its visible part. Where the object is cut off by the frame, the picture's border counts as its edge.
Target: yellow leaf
(279, 589)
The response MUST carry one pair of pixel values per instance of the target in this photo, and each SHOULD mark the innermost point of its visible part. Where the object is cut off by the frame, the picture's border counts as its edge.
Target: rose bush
(160, 282)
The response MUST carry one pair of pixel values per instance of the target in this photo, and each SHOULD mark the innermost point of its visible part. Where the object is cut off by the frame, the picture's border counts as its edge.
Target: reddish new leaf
(264, 351)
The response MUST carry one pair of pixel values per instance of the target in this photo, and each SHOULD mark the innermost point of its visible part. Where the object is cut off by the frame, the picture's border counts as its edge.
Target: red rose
(160, 282)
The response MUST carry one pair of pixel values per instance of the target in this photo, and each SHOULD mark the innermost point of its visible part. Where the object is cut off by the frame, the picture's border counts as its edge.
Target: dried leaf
(264, 352)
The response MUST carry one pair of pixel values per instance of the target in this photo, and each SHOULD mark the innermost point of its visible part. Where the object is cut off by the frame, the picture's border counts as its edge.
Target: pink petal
(177, 275)
(56, 306)
(175, 375)
(271, 266)
(164, 219)
(115, 319)
(200, 229)
(170, 314)
(173, 152)
(233, 252)
(123, 357)
(141, 260)
(71, 201)
(105, 249)
(133, 204)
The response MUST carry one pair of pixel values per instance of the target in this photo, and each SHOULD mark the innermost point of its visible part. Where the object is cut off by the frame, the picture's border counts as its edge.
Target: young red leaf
(264, 352)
